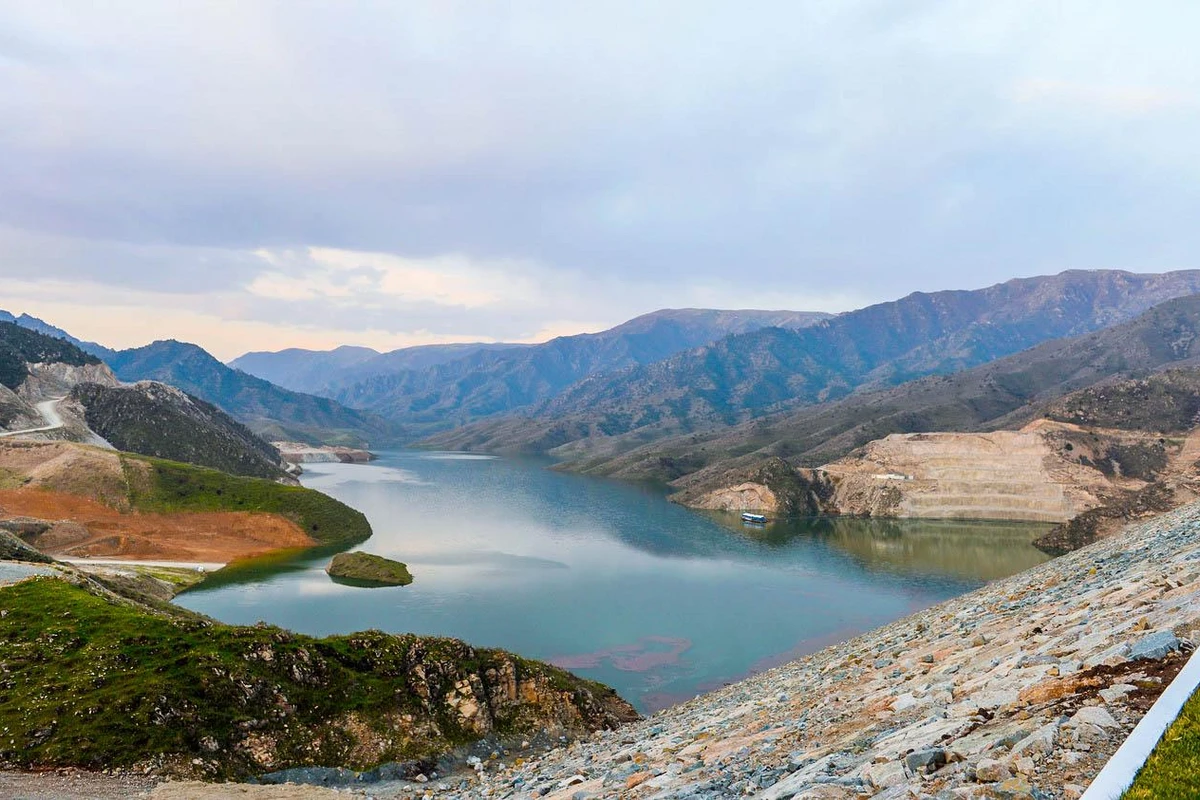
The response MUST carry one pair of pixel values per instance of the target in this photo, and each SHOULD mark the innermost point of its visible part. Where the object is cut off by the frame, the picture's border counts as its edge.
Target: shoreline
(1031, 680)
(199, 566)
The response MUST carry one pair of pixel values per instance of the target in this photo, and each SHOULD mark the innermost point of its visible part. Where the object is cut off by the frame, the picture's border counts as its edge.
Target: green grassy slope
(92, 682)
(158, 485)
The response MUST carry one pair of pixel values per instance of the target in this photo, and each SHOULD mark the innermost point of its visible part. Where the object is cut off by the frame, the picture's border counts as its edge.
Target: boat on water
(754, 519)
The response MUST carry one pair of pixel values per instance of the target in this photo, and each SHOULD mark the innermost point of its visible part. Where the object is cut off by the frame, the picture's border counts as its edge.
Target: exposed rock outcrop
(46, 381)
(742, 497)
(206, 699)
(1090, 480)
(301, 453)
(1017, 475)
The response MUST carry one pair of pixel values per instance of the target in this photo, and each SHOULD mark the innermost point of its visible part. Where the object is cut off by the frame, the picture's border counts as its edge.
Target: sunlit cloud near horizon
(263, 175)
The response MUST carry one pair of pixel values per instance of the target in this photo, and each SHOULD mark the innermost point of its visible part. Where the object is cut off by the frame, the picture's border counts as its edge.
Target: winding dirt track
(49, 413)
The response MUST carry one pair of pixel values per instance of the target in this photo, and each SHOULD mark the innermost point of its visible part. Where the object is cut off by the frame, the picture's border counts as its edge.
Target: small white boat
(755, 519)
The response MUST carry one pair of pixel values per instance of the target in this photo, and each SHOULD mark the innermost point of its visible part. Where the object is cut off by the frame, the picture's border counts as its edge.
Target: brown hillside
(83, 493)
(85, 528)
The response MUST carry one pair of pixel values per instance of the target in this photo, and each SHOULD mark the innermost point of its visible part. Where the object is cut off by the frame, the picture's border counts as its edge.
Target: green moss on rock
(367, 569)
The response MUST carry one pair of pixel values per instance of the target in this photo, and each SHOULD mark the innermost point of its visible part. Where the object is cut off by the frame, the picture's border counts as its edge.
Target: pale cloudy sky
(257, 175)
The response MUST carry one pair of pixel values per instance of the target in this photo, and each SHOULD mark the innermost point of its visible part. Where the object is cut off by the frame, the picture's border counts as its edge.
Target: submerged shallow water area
(609, 579)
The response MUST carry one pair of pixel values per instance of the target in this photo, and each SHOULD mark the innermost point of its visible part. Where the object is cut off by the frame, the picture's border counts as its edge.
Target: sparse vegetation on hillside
(1006, 393)
(19, 347)
(156, 420)
(158, 485)
(95, 683)
(755, 374)
(1166, 402)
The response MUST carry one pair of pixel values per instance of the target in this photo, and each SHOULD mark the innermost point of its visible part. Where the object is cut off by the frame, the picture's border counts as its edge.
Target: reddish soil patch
(85, 527)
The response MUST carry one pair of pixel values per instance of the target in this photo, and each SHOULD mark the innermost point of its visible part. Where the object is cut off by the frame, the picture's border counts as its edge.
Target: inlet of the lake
(609, 579)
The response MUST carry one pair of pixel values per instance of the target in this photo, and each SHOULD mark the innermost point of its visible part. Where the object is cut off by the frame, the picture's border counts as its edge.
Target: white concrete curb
(1123, 767)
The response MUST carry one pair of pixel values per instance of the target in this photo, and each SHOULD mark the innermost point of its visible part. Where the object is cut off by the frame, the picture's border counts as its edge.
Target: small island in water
(367, 570)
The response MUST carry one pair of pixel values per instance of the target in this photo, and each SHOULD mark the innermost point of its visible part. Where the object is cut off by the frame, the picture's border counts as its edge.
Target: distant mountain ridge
(269, 410)
(1004, 394)
(41, 326)
(751, 375)
(321, 372)
(490, 382)
(77, 398)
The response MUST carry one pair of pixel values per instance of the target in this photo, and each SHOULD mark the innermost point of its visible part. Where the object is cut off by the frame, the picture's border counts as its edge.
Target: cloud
(404, 172)
(1122, 100)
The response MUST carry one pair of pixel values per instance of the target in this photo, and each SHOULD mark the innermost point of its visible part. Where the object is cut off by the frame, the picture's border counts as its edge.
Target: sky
(259, 175)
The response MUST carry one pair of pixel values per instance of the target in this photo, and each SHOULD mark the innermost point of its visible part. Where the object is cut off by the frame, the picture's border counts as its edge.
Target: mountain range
(323, 371)
(1004, 394)
(746, 376)
(629, 400)
(490, 382)
(269, 410)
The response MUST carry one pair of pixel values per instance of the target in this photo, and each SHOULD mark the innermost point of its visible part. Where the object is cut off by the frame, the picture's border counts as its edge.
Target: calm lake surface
(609, 579)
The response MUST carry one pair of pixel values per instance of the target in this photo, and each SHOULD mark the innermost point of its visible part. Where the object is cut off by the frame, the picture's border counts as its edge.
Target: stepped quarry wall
(1003, 475)
(1047, 472)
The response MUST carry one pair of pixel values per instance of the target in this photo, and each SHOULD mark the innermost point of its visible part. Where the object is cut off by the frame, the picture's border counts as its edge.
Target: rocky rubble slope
(1021, 689)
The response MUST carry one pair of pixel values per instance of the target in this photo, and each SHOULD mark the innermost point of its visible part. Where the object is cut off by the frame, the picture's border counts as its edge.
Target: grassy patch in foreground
(88, 681)
(167, 486)
(1173, 769)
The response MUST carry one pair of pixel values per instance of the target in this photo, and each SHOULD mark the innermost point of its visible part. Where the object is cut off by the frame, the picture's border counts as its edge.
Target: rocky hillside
(1092, 460)
(1006, 393)
(752, 375)
(490, 382)
(96, 680)
(268, 410)
(20, 348)
(54, 390)
(157, 420)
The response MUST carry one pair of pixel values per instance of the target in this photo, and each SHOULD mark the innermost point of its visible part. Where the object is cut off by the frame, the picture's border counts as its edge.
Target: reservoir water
(609, 579)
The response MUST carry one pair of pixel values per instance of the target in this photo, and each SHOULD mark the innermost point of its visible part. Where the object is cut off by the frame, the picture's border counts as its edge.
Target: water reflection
(971, 549)
(610, 578)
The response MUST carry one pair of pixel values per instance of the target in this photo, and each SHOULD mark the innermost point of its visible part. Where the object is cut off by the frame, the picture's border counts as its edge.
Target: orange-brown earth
(84, 527)
(84, 492)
